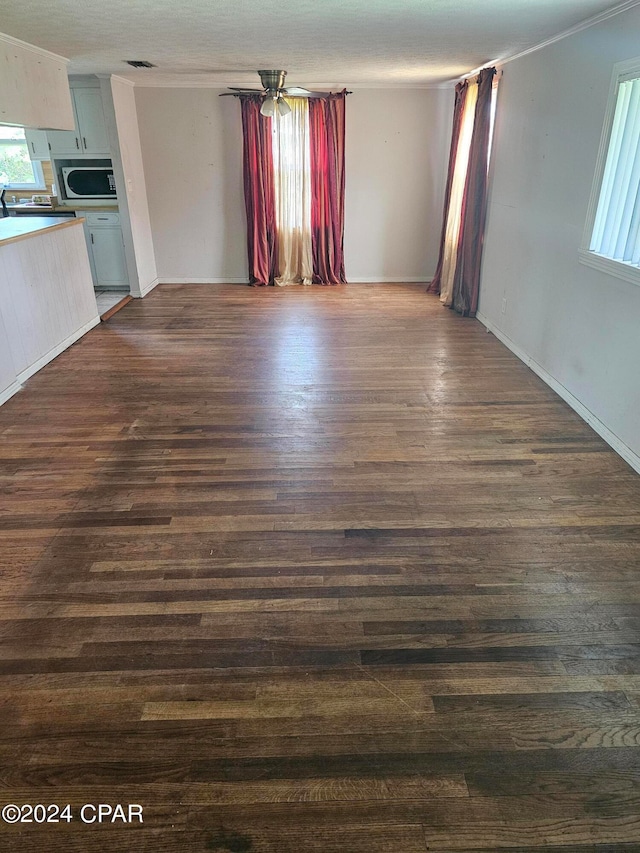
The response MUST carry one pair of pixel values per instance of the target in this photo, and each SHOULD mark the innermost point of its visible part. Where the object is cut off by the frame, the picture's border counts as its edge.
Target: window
(612, 236)
(17, 171)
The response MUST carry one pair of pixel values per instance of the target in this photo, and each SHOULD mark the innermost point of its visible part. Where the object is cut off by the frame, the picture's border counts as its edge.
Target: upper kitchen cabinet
(90, 136)
(34, 88)
(37, 144)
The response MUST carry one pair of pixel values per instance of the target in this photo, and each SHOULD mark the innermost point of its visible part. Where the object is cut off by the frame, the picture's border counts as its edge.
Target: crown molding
(169, 82)
(178, 82)
(175, 81)
(442, 84)
(40, 51)
(576, 28)
(118, 78)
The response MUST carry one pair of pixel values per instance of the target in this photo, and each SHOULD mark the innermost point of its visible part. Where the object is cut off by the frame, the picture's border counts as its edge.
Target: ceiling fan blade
(242, 89)
(298, 92)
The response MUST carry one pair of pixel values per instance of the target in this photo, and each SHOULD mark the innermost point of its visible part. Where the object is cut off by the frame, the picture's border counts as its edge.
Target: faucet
(5, 212)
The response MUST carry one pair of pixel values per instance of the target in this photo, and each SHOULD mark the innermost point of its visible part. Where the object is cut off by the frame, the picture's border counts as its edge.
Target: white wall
(122, 123)
(580, 328)
(397, 147)
(192, 150)
(396, 153)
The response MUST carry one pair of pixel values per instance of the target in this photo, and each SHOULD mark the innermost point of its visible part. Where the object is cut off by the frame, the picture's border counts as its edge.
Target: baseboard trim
(383, 280)
(203, 281)
(60, 348)
(391, 280)
(9, 392)
(147, 289)
(594, 422)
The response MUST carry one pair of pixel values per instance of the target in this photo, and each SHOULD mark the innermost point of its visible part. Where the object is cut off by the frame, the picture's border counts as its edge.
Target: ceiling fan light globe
(283, 107)
(268, 107)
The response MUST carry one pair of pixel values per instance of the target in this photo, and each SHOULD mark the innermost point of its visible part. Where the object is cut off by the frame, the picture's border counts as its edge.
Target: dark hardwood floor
(314, 570)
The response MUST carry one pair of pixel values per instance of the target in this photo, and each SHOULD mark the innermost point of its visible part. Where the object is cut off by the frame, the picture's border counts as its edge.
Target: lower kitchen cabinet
(48, 300)
(106, 250)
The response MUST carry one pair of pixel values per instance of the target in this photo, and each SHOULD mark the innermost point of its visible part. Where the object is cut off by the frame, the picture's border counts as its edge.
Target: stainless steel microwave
(89, 182)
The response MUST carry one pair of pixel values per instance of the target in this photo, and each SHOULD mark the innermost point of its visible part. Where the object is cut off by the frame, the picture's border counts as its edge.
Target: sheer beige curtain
(452, 231)
(292, 176)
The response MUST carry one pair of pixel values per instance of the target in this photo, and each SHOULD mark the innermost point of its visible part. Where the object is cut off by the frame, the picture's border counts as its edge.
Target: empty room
(320, 426)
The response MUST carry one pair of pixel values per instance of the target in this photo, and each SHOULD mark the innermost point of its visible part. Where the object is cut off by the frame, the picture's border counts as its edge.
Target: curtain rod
(473, 77)
(243, 94)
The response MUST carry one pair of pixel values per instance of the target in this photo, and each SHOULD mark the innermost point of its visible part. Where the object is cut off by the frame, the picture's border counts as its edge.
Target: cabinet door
(107, 249)
(90, 121)
(37, 144)
(65, 141)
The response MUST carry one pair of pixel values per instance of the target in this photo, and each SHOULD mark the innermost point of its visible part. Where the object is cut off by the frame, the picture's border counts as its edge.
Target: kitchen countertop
(89, 208)
(60, 208)
(14, 228)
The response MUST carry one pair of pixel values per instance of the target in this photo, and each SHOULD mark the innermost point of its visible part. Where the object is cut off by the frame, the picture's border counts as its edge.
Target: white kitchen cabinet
(106, 250)
(65, 142)
(34, 87)
(90, 136)
(48, 300)
(37, 143)
(91, 123)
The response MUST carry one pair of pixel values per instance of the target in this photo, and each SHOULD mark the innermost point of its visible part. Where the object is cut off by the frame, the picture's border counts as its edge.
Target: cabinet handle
(84, 139)
(49, 145)
(92, 238)
(33, 147)
(77, 143)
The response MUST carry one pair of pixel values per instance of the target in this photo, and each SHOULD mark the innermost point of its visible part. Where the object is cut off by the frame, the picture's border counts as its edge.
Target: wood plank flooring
(314, 570)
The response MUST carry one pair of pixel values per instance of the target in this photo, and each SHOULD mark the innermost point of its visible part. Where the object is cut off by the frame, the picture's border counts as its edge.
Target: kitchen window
(17, 170)
(611, 241)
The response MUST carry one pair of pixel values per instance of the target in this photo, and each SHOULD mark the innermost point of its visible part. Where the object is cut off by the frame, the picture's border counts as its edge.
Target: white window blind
(616, 230)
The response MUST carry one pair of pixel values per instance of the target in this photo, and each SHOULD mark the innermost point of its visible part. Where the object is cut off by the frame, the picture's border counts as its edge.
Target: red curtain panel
(466, 284)
(326, 133)
(259, 194)
(434, 286)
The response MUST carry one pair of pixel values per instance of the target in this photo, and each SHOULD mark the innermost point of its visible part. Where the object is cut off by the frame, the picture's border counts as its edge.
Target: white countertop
(27, 205)
(14, 228)
(34, 208)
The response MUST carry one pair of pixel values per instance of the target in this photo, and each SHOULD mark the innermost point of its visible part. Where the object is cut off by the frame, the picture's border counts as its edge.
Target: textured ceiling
(328, 42)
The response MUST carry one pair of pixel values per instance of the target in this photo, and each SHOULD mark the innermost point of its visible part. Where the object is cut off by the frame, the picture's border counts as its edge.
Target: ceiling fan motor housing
(272, 80)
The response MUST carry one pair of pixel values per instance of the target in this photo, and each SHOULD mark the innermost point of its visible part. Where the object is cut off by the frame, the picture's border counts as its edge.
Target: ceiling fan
(273, 93)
